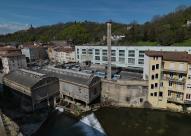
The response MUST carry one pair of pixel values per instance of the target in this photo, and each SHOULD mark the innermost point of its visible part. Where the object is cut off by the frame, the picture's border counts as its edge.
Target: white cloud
(12, 27)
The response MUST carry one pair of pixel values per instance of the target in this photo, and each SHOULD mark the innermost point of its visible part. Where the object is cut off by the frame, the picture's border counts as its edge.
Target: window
(161, 84)
(180, 76)
(170, 83)
(157, 66)
(141, 54)
(83, 51)
(151, 94)
(153, 67)
(97, 52)
(113, 52)
(97, 57)
(122, 53)
(171, 75)
(131, 60)
(104, 52)
(121, 60)
(104, 58)
(156, 76)
(131, 53)
(189, 76)
(188, 96)
(160, 94)
(152, 86)
(156, 85)
(152, 77)
(155, 93)
(90, 51)
(77, 51)
(113, 59)
(141, 61)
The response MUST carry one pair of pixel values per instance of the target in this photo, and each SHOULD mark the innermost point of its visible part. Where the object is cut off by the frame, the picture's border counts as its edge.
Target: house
(34, 53)
(35, 90)
(61, 54)
(169, 78)
(11, 59)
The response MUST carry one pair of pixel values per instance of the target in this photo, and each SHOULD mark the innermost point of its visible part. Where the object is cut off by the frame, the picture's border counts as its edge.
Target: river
(119, 122)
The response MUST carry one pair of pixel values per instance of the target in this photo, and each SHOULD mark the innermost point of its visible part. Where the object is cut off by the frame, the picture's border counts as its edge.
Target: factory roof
(74, 77)
(24, 77)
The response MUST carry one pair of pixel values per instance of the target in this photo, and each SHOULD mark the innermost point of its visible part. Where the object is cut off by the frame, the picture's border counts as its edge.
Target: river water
(118, 122)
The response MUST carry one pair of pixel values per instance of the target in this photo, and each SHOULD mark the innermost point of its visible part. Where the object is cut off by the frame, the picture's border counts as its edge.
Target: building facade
(34, 53)
(11, 59)
(61, 54)
(121, 56)
(12, 62)
(76, 86)
(169, 78)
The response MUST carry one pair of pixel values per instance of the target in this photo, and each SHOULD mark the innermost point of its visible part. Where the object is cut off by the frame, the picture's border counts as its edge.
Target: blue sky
(19, 14)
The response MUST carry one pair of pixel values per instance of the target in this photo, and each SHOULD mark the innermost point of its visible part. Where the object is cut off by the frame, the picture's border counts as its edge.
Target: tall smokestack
(109, 49)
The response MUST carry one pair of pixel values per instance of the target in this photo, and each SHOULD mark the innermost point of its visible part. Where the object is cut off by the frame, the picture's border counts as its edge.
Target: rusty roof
(170, 55)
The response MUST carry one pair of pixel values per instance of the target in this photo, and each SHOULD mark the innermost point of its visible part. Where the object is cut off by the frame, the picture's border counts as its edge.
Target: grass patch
(184, 43)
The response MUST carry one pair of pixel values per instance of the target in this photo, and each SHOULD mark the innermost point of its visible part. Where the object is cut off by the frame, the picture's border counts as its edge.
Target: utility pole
(109, 49)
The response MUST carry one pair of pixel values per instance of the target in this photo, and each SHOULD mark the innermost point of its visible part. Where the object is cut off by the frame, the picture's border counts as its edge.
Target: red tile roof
(170, 56)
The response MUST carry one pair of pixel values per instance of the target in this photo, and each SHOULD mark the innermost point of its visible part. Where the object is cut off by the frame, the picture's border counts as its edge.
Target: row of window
(131, 53)
(154, 76)
(156, 94)
(121, 59)
(155, 66)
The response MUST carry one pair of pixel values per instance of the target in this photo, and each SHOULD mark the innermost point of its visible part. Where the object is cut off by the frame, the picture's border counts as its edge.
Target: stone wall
(125, 92)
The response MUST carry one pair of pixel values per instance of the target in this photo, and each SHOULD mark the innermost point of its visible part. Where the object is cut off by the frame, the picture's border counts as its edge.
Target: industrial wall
(125, 92)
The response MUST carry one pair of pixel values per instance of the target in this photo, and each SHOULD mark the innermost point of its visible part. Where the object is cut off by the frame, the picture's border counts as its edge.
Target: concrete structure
(121, 56)
(34, 53)
(169, 78)
(109, 50)
(76, 86)
(125, 92)
(61, 55)
(34, 89)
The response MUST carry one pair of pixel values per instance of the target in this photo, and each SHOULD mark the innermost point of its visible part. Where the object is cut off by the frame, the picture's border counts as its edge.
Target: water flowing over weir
(60, 124)
(118, 122)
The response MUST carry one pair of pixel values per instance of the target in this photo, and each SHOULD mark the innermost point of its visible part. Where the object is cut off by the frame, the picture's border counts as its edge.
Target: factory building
(76, 86)
(34, 90)
(121, 56)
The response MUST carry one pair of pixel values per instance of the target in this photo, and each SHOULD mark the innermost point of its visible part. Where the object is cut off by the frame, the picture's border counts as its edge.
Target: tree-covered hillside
(170, 29)
(77, 32)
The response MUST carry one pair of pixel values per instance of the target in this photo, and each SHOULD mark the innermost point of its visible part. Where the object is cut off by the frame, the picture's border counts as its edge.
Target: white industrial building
(121, 56)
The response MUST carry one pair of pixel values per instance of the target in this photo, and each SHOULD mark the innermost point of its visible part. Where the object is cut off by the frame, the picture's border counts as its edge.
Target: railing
(174, 71)
(174, 79)
(176, 100)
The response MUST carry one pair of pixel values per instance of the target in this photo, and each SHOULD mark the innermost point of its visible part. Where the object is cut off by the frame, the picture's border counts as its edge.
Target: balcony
(175, 100)
(174, 71)
(175, 79)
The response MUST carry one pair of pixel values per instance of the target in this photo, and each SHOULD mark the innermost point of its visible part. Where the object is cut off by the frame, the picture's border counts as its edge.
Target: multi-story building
(169, 78)
(11, 59)
(122, 56)
(11, 62)
(34, 53)
(61, 55)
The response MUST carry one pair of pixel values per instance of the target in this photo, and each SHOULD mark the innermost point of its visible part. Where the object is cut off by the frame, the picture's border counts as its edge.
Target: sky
(20, 14)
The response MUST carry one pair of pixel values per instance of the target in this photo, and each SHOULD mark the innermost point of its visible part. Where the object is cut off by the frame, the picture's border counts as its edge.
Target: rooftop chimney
(109, 49)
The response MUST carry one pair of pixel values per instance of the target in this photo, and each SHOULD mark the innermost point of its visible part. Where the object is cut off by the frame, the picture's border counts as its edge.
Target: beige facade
(61, 55)
(169, 78)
